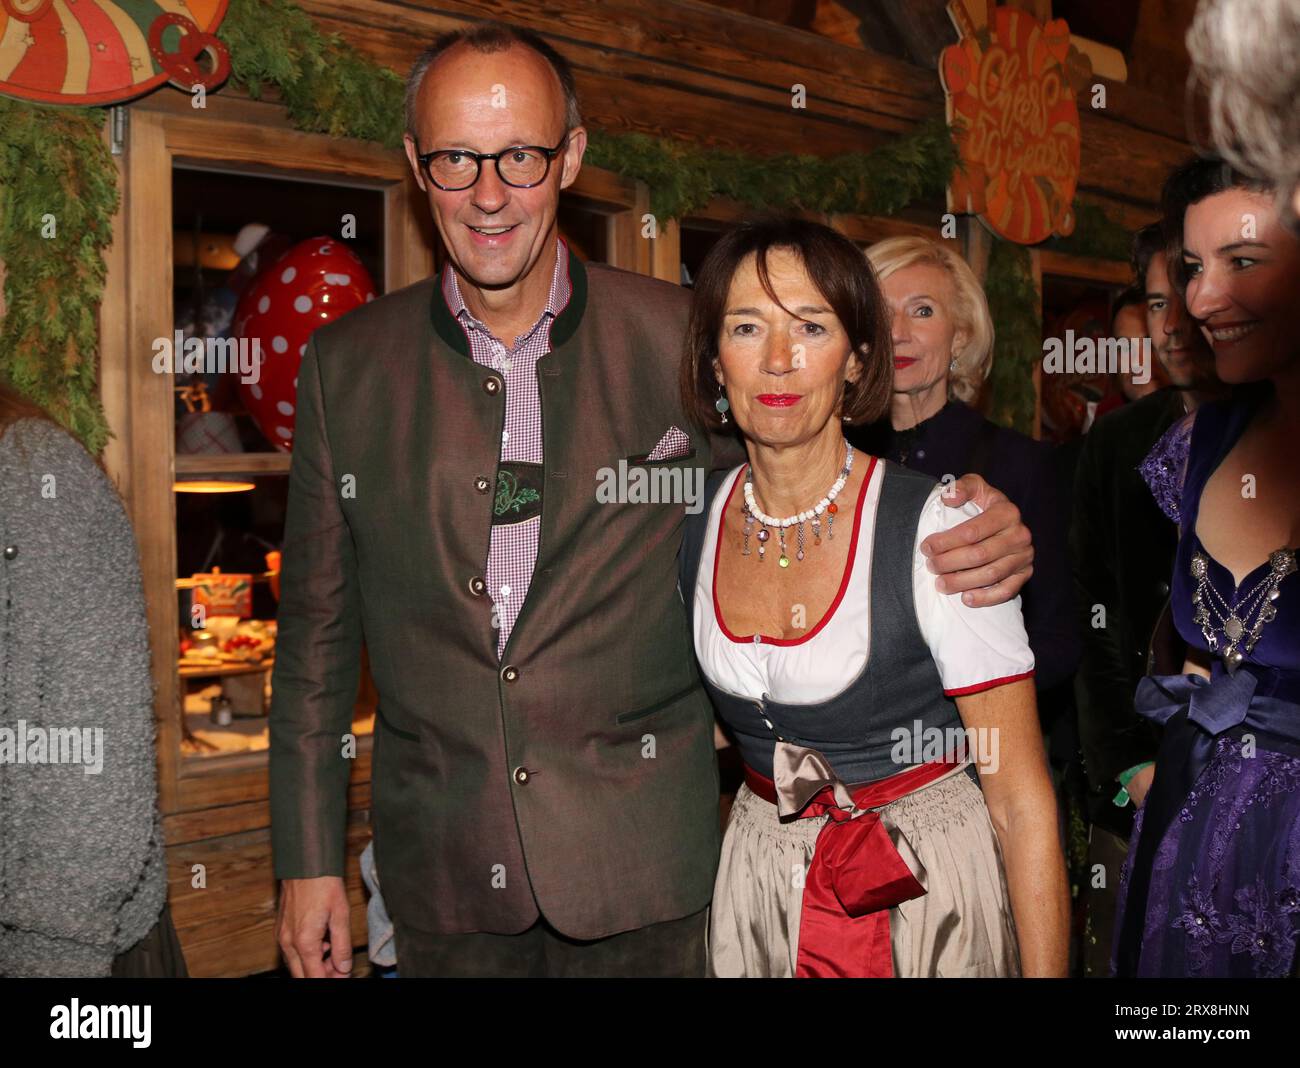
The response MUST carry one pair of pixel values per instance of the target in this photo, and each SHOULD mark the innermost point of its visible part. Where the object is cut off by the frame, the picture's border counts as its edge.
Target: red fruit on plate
(313, 283)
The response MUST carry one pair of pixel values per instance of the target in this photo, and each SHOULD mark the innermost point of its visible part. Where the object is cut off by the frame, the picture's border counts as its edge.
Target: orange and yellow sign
(101, 52)
(1011, 106)
(224, 594)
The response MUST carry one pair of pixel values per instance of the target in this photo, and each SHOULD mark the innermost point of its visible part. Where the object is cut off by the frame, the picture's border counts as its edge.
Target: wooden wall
(699, 72)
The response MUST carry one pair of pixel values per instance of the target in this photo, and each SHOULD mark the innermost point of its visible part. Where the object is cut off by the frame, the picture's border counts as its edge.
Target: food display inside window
(260, 263)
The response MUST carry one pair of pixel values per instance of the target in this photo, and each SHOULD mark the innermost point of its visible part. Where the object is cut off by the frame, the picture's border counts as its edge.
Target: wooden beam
(922, 27)
(233, 463)
(696, 72)
(685, 51)
(876, 30)
(787, 12)
(976, 243)
(605, 192)
(625, 239)
(408, 236)
(666, 252)
(114, 380)
(1063, 265)
(146, 284)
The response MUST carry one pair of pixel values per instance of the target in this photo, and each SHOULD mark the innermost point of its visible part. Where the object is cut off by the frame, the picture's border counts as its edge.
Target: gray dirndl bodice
(898, 688)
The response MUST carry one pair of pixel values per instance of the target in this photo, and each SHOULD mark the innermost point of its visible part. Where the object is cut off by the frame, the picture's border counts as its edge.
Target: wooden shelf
(190, 583)
(202, 671)
(245, 741)
(233, 463)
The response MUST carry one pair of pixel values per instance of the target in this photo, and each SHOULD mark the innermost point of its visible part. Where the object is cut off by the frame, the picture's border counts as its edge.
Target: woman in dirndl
(897, 816)
(1211, 886)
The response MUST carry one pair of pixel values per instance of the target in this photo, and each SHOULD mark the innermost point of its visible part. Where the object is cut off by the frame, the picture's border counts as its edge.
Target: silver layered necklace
(812, 516)
(1246, 616)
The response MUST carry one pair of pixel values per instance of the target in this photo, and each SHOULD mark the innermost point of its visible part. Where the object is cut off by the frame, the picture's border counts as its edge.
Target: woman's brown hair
(14, 406)
(836, 266)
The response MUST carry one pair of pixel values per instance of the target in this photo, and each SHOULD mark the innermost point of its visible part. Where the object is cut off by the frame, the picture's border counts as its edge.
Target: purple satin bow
(1195, 711)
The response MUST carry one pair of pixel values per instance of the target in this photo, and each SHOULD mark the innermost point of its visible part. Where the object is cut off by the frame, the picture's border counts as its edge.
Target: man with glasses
(544, 786)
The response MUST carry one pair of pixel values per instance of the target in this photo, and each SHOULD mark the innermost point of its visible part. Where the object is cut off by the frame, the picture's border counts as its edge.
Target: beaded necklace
(813, 516)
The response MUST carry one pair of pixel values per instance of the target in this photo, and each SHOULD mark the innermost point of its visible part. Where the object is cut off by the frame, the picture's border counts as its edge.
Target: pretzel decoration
(183, 67)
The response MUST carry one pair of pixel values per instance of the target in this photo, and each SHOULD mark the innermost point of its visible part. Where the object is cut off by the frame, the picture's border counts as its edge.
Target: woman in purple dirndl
(1211, 886)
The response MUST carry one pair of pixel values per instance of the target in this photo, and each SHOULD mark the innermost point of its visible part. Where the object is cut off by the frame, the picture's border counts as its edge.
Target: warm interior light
(210, 485)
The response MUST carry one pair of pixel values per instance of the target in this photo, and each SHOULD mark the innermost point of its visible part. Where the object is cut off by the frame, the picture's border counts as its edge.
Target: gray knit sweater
(82, 874)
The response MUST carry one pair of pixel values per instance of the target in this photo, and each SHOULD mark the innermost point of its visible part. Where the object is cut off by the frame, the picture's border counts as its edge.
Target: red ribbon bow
(856, 876)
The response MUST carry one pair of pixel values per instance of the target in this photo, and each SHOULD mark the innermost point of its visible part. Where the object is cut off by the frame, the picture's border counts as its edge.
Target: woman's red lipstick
(903, 361)
(779, 400)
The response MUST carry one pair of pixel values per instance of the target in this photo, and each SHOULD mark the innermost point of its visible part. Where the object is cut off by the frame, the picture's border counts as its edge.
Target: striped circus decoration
(101, 52)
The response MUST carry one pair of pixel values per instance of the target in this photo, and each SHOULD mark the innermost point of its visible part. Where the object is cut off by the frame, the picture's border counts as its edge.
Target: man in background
(1129, 324)
(1122, 548)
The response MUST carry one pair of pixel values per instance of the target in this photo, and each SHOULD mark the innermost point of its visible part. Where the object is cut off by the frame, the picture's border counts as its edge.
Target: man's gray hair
(492, 37)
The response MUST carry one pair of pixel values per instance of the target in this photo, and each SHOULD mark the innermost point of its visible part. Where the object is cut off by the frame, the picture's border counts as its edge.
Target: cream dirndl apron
(960, 926)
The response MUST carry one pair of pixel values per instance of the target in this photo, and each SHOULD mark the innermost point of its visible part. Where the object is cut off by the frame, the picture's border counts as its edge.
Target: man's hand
(1140, 784)
(314, 921)
(988, 557)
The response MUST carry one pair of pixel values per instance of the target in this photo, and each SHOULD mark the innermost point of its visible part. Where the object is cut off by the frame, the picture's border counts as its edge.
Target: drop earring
(722, 404)
(952, 364)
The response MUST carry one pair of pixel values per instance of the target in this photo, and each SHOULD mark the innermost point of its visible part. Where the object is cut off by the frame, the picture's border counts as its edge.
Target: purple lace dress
(1211, 886)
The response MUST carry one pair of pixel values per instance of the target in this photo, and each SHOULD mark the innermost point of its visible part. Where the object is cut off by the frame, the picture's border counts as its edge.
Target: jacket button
(1163, 589)
(491, 386)
(477, 586)
(11, 551)
(510, 673)
(521, 776)
(481, 484)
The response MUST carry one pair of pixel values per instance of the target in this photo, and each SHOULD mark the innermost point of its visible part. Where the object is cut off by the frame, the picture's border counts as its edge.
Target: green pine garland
(326, 84)
(53, 161)
(58, 195)
(683, 178)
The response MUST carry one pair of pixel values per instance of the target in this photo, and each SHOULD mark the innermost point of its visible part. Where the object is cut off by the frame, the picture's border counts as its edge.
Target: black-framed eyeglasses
(521, 166)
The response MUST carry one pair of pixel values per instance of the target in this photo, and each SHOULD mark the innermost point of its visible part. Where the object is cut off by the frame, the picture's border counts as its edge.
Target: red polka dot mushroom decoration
(313, 283)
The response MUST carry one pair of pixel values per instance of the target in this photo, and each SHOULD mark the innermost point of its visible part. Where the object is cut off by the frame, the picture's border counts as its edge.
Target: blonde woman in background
(943, 351)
